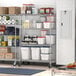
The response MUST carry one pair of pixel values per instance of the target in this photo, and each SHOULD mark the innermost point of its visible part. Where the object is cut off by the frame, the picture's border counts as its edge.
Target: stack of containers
(29, 9)
(5, 53)
(45, 51)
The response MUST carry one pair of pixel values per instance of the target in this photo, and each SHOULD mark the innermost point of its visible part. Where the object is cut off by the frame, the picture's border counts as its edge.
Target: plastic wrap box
(5, 50)
(25, 53)
(14, 10)
(9, 55)
(44, 56)
(3, 10)
(35, 53)
(45, 50)
(2, 55)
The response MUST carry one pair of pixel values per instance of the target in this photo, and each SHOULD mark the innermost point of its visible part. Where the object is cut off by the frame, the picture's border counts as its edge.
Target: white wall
(64, 45)
(20, 2)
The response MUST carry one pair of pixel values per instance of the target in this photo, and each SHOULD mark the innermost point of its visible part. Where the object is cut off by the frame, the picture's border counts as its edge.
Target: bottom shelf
(7, 59)
(44, 61)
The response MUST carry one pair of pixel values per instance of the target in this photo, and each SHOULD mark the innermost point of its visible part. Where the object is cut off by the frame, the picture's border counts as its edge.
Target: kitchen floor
(23, 66)
(47, 71)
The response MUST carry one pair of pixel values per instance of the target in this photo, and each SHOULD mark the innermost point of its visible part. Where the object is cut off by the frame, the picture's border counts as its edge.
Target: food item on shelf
(7, 18)
(2, 55)
(42, 10)
(5, 50)
(4, 43)
(14, 10)
(12, 31)
(46, 10)
(3, 10)
(26, 24)
(9, 55)
(13, 41)
(0, 17)
(71, 65)
(1, 38)
(28, 8)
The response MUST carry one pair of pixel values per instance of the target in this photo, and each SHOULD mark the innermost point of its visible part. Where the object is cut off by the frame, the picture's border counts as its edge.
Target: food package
(3, 10)
(2, 55)
(5, 50)
(14, 10)
(9, 55)
(26, 24)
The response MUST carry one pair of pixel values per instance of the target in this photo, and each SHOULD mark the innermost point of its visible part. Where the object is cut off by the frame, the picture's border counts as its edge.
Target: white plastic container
(46, 24)
(39, 25)
(43, 32)
(48, 39)
(41, 40)
(52, 37)
(51, 18)
(44, 56)
(52, 25)
(45, 50)
(25, 53)
(35, 53)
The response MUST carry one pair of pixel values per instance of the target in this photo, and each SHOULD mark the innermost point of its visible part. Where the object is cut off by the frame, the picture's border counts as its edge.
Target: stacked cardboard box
(2, 55)
(5, 50)
(3, 10)
(14, 10)
(5, 53)
(9, 55)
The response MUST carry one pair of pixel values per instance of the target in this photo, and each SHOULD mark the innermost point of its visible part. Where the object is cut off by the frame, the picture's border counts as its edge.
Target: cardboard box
(2, 55)
(9, 56)
(3, 10)
(5, 50)
(14, 10)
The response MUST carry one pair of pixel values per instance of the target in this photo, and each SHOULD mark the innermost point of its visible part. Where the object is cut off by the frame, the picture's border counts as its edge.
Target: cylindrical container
(42, 10)
(35, 53)
(41, 40)
(43, 32)
(1, 38)
(38, 25)
(4, 43)
(46, 24)
(34, 10)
